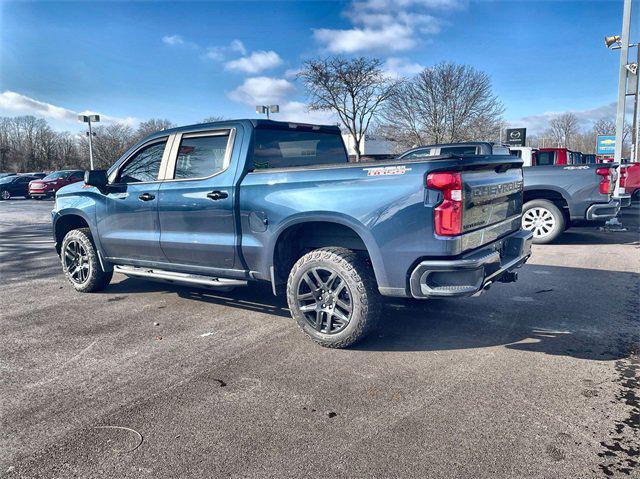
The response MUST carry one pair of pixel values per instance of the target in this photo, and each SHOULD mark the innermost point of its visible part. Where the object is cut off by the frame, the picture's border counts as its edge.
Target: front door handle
(217, 195)
(146, 197)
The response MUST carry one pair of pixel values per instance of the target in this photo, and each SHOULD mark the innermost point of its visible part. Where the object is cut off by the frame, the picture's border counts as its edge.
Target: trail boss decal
(387, 170)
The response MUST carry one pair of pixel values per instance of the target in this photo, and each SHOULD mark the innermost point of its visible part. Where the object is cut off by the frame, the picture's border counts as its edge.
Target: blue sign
(605, 144)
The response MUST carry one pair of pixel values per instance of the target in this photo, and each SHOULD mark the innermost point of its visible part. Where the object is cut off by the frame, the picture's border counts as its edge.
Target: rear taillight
(448, 214)
(623, 177)
(604, 182)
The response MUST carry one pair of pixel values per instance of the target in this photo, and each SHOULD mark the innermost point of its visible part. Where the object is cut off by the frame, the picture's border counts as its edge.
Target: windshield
(56, 175)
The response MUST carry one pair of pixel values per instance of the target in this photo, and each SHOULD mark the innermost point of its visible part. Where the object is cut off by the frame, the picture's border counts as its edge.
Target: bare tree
(355, 89)
(110, 142)
(151, 126)
(563, 129)
(446, 103)
(213, 119)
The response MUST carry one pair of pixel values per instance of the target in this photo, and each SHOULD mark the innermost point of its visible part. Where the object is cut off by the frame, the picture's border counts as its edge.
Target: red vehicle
(558, 156)
(632, 179)
(47, 186)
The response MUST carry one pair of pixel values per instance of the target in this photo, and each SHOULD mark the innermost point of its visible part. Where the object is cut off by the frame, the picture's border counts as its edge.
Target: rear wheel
(544, 219)
(332, 294)
(80, 262)
(5, 195)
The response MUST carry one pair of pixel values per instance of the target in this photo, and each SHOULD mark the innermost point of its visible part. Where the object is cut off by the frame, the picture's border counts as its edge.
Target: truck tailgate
(491, 195)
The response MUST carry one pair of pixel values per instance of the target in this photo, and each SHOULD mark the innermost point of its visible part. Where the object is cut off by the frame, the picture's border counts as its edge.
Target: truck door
(195, 208)
(128, 213)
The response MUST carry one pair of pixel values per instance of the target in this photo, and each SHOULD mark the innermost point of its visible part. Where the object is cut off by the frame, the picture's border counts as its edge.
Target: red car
(632, 179)
(47, 186)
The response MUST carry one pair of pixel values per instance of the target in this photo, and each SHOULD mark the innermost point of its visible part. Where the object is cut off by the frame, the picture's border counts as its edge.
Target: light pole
(262, 109)
(88, 119)
(627, 71)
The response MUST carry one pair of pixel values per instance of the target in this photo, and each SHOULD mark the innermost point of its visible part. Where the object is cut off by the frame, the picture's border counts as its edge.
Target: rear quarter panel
(387, 211)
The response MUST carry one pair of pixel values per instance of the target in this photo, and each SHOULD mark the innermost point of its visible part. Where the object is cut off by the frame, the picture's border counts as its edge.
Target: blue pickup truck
(228, 203)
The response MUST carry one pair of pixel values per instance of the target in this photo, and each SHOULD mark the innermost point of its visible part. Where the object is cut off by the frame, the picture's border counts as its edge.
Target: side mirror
(97, 178)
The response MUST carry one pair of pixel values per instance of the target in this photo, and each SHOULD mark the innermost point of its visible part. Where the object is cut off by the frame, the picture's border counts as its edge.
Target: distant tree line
(564, 131)
(28, 143)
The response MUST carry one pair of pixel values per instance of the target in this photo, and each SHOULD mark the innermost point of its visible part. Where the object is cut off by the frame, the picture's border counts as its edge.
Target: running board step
(175, 277)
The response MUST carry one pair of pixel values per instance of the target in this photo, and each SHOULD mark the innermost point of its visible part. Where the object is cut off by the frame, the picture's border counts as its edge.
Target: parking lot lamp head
(613, 42)
(262, 109)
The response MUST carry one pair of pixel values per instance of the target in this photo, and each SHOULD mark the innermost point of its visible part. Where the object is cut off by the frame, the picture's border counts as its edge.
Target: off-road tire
(97, 279)
(356, 272)
(558, 220)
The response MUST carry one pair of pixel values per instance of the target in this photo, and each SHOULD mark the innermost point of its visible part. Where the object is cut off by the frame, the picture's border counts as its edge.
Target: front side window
(275, 148)
(201, 156)
(144, 165)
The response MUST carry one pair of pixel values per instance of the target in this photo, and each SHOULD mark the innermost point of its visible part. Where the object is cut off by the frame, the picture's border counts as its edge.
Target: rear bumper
(471, 274)
(624, 200)
(603, 211)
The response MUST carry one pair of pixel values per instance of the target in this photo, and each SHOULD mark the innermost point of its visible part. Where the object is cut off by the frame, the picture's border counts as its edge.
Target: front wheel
(333, 296)
(544, 219)
(80, 262)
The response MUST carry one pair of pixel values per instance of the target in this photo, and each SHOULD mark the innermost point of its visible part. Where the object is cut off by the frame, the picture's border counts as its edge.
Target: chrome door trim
(175, 147)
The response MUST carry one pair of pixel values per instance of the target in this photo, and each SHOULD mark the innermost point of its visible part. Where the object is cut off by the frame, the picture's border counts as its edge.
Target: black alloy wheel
(325, 300)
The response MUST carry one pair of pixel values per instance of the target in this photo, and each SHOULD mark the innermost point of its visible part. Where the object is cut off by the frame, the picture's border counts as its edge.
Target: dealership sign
(516, 136)
(605, 144)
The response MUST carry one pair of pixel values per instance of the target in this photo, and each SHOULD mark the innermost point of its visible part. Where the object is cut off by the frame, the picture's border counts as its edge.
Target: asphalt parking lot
(538, 378)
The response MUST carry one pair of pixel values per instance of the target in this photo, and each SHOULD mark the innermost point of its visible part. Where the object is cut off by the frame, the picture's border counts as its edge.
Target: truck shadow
(553, 310)
(588, 233)
(543, 312)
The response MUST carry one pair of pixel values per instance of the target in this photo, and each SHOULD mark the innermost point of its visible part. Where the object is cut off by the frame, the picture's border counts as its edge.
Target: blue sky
(185, 61)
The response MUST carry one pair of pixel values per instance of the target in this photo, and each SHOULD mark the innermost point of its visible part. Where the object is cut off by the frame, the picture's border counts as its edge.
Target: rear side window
(546, 158)
(458, 150)
(201, 156)
(78, 175)
(144, 165)
(287, 148)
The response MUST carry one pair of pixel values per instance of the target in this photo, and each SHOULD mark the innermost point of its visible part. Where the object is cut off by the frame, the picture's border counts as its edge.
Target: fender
(331, 217)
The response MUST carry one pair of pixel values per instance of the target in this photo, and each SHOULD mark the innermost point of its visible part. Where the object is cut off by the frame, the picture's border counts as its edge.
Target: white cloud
(384, 25)
(12, 103)
(401, 67)
(390, 38)
(256, 62)
(173, 40)
(262, 91)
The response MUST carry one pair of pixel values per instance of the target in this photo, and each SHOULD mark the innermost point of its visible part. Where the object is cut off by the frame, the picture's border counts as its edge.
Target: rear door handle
(217, 195)
(146, 196)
